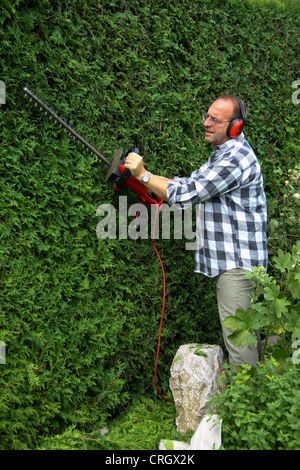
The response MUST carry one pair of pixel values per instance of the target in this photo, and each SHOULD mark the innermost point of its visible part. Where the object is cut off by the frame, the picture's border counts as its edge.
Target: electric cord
(163, 307)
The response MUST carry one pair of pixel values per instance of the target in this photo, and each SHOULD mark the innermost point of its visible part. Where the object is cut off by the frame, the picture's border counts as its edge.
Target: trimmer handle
(120, 182)
(140, 189)
(122, 178)
(119, 179)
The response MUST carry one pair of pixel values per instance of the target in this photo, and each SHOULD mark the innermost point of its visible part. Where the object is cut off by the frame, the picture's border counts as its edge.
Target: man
(229, 187)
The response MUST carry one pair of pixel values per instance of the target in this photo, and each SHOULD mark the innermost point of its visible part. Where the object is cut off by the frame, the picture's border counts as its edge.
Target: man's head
(220, 114)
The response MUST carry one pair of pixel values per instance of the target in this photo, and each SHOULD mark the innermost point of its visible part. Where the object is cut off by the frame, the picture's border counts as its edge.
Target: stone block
(194, 377)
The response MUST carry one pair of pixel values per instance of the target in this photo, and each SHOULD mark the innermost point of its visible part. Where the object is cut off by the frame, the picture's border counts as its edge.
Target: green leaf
(283, 261)
(243, 320)
(271, 293)
(243, 338)
(280, 305)
(278, 301)
(293, 323)
(294, 285)
(242, 324)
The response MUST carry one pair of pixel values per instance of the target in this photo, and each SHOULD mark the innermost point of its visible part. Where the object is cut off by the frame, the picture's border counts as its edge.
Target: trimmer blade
(116, 158)
(51, 114)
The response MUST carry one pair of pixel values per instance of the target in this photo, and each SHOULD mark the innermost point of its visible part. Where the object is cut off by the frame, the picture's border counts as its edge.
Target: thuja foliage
(141, 426)
(79, 315)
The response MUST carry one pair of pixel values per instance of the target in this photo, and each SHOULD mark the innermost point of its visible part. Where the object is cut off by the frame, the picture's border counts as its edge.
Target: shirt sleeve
(206, 183)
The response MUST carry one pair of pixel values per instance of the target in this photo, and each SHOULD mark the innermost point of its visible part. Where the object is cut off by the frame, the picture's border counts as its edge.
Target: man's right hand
(135, 164)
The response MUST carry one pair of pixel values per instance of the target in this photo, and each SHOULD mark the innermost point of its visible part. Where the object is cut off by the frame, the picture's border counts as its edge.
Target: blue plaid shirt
(234, 215)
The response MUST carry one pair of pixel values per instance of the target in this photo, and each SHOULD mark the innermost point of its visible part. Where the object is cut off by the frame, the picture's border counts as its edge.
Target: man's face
(221, 112)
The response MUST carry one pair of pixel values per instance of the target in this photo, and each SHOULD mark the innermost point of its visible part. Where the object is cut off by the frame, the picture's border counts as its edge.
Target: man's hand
(134, 163)
(156, 184)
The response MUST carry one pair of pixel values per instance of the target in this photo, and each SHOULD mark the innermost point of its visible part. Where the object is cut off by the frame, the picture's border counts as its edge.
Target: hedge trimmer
(119, 176)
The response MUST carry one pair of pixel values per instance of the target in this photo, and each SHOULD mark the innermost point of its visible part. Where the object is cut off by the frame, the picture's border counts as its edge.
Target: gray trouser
(233, 292)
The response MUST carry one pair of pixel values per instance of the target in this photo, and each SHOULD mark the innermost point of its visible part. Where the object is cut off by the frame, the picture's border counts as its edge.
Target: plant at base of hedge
(274, 308)
(260, 408)
(140, 426)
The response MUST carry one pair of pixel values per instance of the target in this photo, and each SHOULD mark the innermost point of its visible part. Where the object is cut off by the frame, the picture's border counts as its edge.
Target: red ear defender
(236, 126)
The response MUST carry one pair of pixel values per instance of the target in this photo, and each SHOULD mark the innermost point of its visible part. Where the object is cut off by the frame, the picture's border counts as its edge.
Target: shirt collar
(222, 148)
(230, 143)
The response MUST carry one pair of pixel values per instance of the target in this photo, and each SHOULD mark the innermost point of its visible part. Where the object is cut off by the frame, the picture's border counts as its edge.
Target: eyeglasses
(212, 120)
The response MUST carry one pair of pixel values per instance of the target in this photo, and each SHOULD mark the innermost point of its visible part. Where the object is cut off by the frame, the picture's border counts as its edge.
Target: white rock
(207, 437)
(194, 378)
(208, 434)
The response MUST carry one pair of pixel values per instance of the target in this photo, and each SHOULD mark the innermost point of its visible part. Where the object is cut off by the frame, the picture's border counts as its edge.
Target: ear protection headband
(236, 125)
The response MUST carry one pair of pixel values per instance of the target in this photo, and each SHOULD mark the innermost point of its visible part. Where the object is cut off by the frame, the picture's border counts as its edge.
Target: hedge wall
(79, 315)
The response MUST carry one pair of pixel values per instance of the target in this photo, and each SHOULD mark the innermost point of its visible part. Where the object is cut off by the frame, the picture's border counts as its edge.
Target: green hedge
(79, 315)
